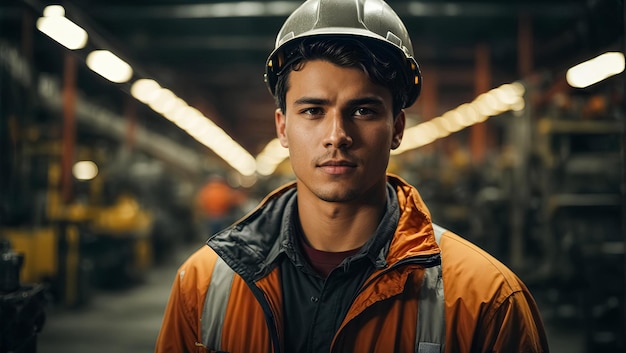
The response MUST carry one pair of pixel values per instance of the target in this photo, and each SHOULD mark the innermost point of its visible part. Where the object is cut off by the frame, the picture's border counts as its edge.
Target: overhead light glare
(183, 115)
(58, 27)
(85, 170)
(54, 10)
(272, 155)
(192, 121)
(109, 66)
(508, 97)
(164, 100)
(249, 8)
(145, 90)
(280, 8)
(241, 9)
(174, 107)
(595, 70)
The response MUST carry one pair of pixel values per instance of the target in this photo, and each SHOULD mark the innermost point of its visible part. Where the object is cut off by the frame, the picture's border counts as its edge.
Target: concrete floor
(120, 321)
(129, 320)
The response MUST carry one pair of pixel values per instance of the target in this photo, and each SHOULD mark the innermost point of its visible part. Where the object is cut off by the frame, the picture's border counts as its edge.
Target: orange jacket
(487, 308)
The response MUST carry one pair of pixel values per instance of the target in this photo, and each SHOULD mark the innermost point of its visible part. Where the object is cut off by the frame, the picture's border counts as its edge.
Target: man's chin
(341, 194)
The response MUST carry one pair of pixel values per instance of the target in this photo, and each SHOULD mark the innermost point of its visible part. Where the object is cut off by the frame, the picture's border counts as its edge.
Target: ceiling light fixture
(507, 97)
(109, 66)
(192, 121)
(595, 70)
(58, 27)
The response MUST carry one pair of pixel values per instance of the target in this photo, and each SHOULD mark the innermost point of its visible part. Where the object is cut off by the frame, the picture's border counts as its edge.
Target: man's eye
(363, 112)
(312, 111)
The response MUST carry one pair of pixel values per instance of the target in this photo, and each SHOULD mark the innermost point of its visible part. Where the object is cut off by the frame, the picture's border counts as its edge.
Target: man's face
(339, 128)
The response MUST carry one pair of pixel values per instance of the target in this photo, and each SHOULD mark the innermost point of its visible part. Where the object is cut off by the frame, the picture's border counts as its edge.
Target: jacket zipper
(427, 261)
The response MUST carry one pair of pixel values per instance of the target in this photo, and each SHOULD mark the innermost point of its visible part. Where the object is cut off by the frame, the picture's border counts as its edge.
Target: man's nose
(338, 134)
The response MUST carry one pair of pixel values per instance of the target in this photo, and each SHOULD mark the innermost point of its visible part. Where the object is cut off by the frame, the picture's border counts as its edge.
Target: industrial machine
(21, 305)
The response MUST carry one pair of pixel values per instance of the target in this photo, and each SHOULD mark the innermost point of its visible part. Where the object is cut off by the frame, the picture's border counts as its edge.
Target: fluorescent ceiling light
(145, 90)
(595, 70)
(237, 9)
(164, 101)
(109, 66)
(61, 29)
(496, 101)
(272, 155)
(191, 120)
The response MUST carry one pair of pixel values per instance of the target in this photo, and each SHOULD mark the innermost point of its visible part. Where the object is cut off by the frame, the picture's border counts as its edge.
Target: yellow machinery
(39, 245)
(122, 235)
(50, 260)
(21, 304)
(83, 245)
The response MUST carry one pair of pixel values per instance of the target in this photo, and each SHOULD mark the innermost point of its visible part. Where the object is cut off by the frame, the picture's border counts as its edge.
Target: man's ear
(281, 122)
(398, 130)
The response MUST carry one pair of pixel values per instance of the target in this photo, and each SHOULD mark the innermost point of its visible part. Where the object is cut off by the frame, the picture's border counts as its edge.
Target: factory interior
(110, 179)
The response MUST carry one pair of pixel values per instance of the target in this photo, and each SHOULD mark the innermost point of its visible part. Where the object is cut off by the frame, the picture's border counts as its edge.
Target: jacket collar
(253, 245)
(374, 250)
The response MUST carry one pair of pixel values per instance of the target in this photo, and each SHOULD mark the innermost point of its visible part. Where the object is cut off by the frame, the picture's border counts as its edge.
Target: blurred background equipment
(22, 306)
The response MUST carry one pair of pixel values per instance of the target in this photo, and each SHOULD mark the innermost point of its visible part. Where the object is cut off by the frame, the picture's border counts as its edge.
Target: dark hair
(380, 63)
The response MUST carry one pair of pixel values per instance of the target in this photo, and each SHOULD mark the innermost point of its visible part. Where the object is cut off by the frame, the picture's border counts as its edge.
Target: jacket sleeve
(488, 308)
(516, 326)
(178, 328)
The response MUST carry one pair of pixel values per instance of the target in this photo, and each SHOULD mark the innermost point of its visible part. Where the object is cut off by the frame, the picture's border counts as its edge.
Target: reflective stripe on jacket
(487, 308)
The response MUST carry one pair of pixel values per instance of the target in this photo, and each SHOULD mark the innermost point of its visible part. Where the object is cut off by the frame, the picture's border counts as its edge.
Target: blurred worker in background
(346, 258)
(218, 204)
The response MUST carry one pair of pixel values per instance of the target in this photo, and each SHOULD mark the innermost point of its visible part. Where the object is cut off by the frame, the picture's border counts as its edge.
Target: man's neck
(338, 226)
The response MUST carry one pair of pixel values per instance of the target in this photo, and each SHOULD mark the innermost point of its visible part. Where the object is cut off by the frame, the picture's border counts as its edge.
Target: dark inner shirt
(323, 262)
(318, 303)
(319, 287)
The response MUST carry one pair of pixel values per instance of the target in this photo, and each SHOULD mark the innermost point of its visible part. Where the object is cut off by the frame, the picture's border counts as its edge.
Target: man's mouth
(337, 166)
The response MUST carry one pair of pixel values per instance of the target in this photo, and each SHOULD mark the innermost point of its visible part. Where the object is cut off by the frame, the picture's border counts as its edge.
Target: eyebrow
(353, 102)
(312, 101)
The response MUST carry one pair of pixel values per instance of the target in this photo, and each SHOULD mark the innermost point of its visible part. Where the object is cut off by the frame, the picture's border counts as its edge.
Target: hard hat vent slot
(394, 39)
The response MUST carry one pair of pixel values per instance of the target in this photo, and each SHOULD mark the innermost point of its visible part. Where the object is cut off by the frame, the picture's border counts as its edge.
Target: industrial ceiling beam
(284, 8)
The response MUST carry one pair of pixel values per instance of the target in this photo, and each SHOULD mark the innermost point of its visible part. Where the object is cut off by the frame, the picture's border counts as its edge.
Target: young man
(347, 258)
